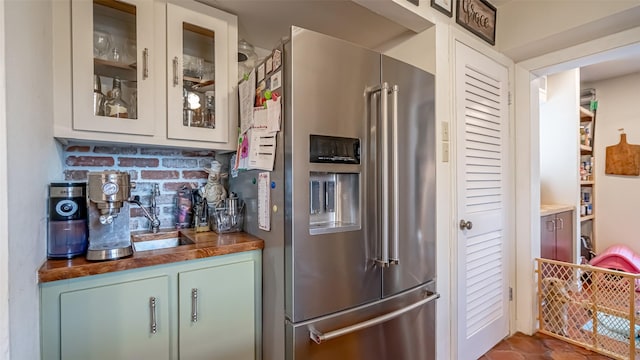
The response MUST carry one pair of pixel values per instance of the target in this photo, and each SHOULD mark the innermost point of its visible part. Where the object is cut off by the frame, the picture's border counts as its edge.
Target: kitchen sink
(145, 242)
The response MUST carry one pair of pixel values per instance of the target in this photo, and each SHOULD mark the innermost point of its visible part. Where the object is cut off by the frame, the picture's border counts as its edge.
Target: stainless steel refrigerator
(349, 262)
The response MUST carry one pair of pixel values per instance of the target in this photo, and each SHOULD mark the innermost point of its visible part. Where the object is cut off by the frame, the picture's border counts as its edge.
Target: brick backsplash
(170, 168)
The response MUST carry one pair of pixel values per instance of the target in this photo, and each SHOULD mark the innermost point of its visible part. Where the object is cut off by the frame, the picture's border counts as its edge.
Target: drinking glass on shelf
(101, 43)
(114, 55)
(117, 50)
(130, 51)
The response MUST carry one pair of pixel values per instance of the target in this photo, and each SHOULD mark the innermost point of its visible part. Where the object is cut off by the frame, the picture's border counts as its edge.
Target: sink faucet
(154, 222)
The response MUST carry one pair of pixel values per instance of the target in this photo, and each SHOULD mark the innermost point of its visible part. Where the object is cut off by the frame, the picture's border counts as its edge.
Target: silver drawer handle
(194, 305)
(318, 337)
(154, 323)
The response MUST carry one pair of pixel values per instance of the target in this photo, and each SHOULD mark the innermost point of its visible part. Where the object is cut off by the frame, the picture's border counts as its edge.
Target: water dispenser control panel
(331, 149)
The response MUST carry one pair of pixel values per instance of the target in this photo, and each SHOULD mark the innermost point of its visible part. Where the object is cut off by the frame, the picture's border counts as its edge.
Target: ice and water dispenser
(334, 196)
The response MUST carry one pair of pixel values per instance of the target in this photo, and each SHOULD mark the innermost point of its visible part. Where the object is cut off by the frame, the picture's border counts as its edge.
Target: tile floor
(538, 347)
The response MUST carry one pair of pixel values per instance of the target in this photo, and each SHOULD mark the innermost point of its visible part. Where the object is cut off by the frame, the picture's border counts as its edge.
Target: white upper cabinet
(149, 72)
(196, 97)
(112, 42)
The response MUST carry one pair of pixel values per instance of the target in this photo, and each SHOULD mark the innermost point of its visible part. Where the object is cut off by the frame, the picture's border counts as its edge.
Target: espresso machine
(108, 201)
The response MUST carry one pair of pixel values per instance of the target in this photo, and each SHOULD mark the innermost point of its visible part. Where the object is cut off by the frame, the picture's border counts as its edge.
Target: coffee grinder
(67, 236)
(109, 234)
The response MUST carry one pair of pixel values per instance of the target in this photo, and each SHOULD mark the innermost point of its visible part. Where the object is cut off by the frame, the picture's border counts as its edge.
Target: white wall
(418, 50)
(559, 136)
(531, 28)
(617, 198)
(32, 161)
(4, 237)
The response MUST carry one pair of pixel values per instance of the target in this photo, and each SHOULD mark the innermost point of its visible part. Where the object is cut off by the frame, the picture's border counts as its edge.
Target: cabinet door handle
(145, 63)
(194, 305)
(154, 323)
(551, 225)
(175, 71)
(561, 222)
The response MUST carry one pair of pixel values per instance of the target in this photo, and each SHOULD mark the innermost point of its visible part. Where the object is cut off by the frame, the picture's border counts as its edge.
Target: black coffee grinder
(67, 235)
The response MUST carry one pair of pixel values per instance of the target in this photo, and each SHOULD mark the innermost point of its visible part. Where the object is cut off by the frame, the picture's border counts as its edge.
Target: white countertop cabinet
(163, 53)
(199, 309)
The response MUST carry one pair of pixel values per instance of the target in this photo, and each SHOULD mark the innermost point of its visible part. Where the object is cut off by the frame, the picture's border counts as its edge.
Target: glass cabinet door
(197, 64)
(112, 77)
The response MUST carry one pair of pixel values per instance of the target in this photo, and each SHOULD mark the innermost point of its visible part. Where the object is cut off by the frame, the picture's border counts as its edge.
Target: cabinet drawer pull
(145, 63)
(194, 305)
(154, 323)
(175, 71)
(551, 225)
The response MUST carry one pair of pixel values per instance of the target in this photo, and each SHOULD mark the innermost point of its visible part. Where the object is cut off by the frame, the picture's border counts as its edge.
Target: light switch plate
(445, 152)
(445, 131)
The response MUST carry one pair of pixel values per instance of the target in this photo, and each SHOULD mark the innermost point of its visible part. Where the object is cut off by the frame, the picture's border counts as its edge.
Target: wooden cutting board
(623, 158)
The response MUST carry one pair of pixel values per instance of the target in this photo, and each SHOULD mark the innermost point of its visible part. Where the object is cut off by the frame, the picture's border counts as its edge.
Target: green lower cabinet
(217, 315)
(122, 321)
(198, 309)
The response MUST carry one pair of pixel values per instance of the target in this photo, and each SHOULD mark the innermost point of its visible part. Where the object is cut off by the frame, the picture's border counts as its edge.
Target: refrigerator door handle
(382, 217)
(394, 257)
(384, 111)
(319, 337)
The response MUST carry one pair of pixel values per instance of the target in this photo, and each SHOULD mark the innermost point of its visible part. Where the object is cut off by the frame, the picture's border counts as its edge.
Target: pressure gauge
(110, 188)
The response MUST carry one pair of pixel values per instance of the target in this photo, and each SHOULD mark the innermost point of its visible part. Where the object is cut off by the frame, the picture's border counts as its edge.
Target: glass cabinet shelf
(112, 69)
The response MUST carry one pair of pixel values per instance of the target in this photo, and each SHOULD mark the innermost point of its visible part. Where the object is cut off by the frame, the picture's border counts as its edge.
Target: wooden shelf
(200, 85)
(588, 217)
(584, 149)
(112, 69)
(585, 115)
(587, 182)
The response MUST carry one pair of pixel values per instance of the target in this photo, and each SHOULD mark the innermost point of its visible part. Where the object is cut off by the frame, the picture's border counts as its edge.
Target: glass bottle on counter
(116, 106)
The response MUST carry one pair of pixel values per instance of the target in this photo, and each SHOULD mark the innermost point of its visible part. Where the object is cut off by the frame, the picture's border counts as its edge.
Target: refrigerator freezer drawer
(401, 327)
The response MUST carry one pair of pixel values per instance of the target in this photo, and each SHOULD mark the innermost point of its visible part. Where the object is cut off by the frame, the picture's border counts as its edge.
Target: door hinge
(510, 294)
(509, 98)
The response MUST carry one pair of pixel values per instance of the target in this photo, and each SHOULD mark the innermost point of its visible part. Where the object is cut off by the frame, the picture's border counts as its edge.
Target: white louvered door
(481, 86)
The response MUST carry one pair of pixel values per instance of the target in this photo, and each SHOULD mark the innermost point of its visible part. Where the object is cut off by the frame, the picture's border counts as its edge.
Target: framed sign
(479, 17)
(444, 6)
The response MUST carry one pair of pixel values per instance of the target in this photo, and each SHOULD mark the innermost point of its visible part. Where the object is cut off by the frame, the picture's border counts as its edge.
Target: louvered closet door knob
(465, 225)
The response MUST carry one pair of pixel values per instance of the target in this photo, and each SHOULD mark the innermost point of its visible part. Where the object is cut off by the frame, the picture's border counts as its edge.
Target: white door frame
(509, 234)
(527, 148)
(4, 211)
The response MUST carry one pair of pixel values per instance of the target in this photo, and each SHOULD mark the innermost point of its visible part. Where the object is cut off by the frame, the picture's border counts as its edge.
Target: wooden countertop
(205, 244)
(550, 209)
